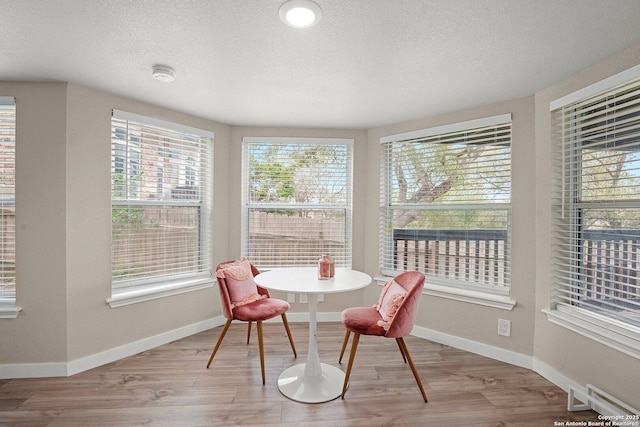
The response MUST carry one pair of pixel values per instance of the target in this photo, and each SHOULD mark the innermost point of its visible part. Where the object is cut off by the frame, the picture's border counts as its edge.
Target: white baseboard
(33, 370)
(471, 346)
(522, 360)
(63, 369)
(554, 376)
(610, 408)
(566, 384)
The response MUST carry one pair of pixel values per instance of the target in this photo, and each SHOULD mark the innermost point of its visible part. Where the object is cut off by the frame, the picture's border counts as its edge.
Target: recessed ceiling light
(300, 13)
(163, 73)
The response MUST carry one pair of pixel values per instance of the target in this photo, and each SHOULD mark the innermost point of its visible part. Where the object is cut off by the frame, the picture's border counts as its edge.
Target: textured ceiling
(367, 63)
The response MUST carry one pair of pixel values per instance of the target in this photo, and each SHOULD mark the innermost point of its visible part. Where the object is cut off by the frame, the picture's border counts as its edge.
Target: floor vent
(612, 408)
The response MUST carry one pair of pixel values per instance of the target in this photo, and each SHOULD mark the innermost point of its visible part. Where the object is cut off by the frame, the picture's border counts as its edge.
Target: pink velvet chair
(243, 300)
(392, 317)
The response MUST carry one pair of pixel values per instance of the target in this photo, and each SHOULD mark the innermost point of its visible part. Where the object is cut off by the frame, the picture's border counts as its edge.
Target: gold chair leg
(405, 350)
(286, 327)
(401, 351)
(224, 331)
(352, 356)
(248, 332)
(261, 346)
(344, 345)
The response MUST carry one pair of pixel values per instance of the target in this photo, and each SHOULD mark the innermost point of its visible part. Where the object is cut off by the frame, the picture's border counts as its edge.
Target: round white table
(312, 382)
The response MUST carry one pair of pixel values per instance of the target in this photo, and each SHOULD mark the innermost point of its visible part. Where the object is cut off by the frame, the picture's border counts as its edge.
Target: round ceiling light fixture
(300, 13)
(163, 73)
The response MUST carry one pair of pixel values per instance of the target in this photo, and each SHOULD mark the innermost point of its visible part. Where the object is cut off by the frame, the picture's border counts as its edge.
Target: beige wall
(64, 214)
(39, 333)
(88, 204)
(63, 252)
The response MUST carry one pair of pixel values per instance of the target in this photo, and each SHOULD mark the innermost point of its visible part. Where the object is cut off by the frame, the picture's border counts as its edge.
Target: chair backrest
(402, 323)
(225, 298)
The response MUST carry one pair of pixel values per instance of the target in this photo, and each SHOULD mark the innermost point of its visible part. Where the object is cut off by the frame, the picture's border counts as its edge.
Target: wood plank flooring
(170, 386)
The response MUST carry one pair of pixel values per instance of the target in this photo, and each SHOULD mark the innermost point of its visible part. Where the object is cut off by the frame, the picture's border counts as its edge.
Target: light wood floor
(170, 386)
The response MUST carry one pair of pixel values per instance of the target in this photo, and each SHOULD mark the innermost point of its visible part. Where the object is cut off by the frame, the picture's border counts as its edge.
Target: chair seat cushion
(261, 309)
(363, 320)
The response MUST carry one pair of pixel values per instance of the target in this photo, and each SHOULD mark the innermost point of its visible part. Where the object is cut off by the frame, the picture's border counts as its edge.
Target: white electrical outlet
(320, 297)
(504, 327)
(303, 298)
(291, 297)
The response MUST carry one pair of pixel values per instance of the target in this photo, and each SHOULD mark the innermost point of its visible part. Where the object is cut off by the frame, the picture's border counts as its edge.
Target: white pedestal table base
(312, 382)
(295, 385)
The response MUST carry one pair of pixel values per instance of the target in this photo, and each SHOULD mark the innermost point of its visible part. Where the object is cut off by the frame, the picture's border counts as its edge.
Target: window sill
(138, 294)
(9, 311)
(606, 331)
(502, 302)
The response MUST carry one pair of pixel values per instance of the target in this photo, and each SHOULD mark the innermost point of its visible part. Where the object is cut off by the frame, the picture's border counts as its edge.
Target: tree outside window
(445, 204)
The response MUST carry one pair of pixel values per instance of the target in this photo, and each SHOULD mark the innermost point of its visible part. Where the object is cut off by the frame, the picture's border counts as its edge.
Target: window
(8, 208)
(160, 208)
(446, 204)
(296, 201)
(597, 207)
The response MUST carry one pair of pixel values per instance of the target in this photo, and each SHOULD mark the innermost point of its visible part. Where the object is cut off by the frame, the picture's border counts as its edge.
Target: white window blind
(597, 233)
(297, 201)
(7, 200)
(446, 204)
(161, 202)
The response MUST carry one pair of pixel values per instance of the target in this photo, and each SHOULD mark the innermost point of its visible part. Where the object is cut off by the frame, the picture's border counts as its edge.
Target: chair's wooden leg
(405, 350)
(261, 346)
(352, 356)
(344, 345)
(248, 332)
(401, 351)
(224, 331)
(286, 327)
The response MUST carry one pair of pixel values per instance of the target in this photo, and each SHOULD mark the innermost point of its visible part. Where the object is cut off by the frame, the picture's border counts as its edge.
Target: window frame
(598, 326)
(8, 299)
(477, 293)
(248, 205)
(135, 290)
